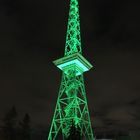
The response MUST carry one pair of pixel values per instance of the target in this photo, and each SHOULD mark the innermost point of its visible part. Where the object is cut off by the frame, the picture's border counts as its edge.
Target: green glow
(76, 61)
(73, 38)
(72, 103)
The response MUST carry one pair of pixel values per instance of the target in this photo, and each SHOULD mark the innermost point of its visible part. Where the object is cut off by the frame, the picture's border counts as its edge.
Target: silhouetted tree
(9, 128)
(74, 133)
(25, 128)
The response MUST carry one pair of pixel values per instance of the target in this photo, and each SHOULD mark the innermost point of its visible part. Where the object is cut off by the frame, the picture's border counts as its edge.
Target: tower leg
(71, 106)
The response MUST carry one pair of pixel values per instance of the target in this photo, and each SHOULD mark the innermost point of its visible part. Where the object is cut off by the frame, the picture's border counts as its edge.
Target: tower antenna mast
(71, 106)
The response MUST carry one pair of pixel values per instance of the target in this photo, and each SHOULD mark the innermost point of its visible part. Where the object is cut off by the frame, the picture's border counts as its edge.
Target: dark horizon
(32, 35)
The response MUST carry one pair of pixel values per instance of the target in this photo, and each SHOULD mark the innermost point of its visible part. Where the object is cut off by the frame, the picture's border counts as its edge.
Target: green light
(72, 103)
(76, 61)
(73, 38)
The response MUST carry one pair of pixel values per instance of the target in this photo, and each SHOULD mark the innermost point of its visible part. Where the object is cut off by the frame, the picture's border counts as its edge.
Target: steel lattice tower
(72, 103)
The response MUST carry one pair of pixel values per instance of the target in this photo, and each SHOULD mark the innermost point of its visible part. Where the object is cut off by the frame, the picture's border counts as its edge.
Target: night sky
(32, 35)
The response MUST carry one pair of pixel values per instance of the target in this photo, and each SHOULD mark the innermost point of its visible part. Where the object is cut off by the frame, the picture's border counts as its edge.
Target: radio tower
(71, 106)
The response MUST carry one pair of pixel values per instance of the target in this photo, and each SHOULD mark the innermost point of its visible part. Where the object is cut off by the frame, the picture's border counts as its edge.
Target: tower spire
(73, 37)
(71, 107)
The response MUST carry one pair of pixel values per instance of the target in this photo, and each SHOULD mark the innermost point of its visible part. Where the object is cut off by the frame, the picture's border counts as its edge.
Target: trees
(13, 130)
(25, 128)
(74, 133)
(9, 128)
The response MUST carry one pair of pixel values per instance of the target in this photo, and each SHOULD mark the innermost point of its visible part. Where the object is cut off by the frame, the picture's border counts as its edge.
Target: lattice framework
(71, 103)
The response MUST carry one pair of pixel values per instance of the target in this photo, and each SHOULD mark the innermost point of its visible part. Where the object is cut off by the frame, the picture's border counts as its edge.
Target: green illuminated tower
(71, 106)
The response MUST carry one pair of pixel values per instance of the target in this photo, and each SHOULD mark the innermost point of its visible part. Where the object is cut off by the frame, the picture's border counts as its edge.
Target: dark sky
(32, 35)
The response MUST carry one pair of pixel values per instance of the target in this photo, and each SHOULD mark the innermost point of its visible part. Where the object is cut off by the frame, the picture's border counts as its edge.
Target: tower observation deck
(71, 105)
